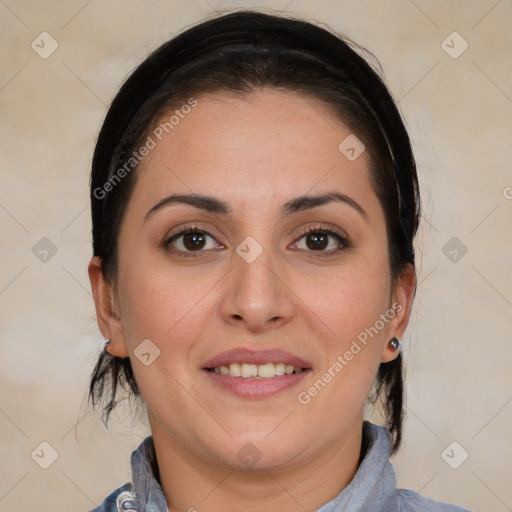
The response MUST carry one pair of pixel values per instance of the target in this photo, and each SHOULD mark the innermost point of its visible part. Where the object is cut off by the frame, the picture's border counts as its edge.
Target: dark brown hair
(241, 52)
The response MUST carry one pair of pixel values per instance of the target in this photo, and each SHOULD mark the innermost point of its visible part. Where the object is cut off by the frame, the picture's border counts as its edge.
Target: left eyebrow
(302, 203)
(214, 205)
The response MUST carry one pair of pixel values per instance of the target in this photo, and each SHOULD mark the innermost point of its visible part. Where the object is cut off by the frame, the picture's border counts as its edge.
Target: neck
(190, 483)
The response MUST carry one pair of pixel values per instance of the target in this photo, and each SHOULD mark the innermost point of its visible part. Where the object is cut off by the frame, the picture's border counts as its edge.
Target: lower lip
(256, 388)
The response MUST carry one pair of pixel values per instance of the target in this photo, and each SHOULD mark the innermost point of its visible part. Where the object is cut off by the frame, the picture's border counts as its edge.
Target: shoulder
(411, 501)
(119, 496)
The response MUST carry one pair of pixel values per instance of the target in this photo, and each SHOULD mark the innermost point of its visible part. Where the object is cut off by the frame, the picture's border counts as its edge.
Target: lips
(256, 357)
(238, 372)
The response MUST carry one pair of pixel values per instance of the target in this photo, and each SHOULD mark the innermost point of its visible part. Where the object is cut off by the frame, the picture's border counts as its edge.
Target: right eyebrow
(207, 203)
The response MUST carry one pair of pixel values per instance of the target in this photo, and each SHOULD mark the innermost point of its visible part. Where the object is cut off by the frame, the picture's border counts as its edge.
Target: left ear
(401, 302)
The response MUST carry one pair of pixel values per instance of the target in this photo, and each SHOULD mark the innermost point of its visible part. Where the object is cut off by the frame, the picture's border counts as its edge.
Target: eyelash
(344, 244)
(186, 230)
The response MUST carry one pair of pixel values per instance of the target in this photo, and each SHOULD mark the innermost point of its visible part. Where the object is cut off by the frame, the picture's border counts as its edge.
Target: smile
(256, 371)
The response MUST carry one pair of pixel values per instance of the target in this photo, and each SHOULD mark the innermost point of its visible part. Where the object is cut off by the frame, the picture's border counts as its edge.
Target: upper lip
(243, 355)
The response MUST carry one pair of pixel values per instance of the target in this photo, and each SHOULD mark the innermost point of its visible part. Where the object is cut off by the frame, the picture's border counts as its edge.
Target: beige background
(458, 348)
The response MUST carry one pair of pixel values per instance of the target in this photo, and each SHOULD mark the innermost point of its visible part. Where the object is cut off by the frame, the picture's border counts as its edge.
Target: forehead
(267, 144)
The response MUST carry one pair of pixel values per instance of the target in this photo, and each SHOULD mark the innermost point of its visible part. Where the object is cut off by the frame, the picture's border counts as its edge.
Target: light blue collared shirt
(373, 488)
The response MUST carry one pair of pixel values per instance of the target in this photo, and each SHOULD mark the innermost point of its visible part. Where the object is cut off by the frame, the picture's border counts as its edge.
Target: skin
(255, 153)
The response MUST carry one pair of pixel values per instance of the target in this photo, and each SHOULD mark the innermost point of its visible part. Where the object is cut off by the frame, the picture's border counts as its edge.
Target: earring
(106, 345)
(394, 343)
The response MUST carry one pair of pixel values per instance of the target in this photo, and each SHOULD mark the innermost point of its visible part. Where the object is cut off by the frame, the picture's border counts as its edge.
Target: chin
(261, 451)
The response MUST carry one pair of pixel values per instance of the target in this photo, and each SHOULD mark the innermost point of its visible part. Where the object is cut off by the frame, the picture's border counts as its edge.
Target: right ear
(108, 321)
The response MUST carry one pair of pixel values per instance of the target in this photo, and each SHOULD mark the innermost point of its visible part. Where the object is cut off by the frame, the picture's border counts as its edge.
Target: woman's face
(251, 176)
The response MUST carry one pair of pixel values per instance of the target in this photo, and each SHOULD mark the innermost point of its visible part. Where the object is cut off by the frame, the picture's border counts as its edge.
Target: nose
(257, 297)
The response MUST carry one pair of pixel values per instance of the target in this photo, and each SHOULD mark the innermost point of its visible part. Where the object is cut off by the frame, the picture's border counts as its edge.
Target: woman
(254, 202)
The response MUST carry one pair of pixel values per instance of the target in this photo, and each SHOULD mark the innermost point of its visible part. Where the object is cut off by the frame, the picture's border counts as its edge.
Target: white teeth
(254, 371)
(266, 370)
(235, 370)
(249, 370)
(279, 368)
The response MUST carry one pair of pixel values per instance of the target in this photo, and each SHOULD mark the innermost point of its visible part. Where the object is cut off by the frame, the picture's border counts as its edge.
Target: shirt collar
(373, 486)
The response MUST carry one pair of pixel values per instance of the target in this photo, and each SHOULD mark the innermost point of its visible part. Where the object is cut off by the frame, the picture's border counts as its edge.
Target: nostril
(274, 321)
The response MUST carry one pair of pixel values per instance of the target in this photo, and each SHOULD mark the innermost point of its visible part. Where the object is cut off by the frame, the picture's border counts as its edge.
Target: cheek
(347, 301)
(344, 312)
(171, 310)
(168, 306)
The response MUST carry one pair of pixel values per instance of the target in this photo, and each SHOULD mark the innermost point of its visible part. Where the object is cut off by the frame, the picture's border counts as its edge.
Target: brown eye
(191, 240)
(194, 241)
(317, 241)
(321, 241)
